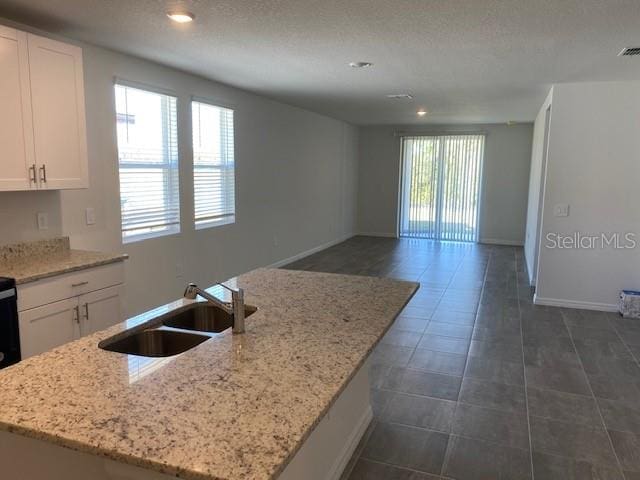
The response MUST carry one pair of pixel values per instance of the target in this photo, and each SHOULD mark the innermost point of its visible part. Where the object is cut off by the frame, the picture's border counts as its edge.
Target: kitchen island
(257, 405)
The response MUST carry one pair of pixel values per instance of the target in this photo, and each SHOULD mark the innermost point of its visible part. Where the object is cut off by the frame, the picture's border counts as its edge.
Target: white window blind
(148, 159)
(213, 165)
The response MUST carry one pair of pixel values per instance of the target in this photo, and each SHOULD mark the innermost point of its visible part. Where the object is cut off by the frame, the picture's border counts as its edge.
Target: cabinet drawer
(69, 285)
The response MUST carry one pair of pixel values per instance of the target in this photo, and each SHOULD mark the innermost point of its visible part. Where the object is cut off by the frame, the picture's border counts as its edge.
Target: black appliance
(9, 335)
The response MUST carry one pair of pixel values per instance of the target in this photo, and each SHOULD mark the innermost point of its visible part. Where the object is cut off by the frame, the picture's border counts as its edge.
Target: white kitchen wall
(296, 177)
(504, 187)
(594, 167)
(536, 183)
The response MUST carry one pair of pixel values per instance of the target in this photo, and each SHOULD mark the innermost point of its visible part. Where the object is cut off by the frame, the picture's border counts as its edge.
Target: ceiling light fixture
(181, 17)
(360, 64)
(422, 112)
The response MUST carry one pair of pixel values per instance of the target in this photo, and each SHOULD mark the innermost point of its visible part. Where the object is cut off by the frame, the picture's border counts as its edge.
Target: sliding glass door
(441, 186)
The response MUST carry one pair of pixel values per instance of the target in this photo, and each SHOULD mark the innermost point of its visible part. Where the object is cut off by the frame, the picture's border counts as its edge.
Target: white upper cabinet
(44, 88)
(16, 131)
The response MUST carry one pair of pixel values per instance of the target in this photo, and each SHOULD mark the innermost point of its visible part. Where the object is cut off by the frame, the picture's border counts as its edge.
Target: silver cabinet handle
(76, 316)
(32, 174)
(79, 284)
(86, 311)
(43, 173)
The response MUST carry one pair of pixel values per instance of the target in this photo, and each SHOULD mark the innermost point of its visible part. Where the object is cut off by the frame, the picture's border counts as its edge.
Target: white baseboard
(500, 241)
(350, 447)
(311, 251)
(378, 234)
(560, 302)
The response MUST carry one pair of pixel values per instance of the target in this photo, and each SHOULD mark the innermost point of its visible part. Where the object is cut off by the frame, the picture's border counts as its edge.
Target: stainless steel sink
(154, 343)
(203, 317)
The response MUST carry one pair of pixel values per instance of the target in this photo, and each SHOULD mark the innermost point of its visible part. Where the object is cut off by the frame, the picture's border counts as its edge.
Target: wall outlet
(275, 241)
(561, 210)
(179, 270)
(90, 215)
(43, 221)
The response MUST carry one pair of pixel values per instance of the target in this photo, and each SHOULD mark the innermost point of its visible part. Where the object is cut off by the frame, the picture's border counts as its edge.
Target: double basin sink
(165, 342)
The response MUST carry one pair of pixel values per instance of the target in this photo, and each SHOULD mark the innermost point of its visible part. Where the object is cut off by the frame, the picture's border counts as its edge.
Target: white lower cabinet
(49, 326)
(93, 302)
(100, 310)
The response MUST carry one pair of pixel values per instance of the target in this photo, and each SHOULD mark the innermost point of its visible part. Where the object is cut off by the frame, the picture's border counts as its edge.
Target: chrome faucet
(235, 308)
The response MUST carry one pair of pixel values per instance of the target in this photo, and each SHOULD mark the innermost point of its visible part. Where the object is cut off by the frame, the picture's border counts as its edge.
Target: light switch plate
(90, 215)
(561, 210)
(43, 221)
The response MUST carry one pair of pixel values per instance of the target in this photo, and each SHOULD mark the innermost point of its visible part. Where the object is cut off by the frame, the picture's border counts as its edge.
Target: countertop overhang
(234, 407)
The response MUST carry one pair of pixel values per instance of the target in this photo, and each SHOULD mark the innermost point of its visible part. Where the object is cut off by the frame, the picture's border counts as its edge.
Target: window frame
(228, 219)
(166, 166)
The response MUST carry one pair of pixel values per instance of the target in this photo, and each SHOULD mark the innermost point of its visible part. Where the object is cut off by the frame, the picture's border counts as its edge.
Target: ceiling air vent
(629, 51)
(400, 96)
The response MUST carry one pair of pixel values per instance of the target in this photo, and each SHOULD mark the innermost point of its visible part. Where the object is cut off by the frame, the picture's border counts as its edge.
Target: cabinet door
(16, 131)
(57, 97)
(49, 326)
(100, 309)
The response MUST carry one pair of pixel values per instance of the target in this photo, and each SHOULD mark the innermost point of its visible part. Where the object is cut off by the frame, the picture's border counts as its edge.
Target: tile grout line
(593, 395)
(524, 373)
(447, 453)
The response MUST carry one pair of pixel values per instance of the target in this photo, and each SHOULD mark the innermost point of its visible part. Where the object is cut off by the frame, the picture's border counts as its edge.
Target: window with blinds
(148, 160)
(213, 165)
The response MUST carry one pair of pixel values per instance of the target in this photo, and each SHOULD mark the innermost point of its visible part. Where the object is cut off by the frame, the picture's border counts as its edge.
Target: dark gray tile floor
(474, 382)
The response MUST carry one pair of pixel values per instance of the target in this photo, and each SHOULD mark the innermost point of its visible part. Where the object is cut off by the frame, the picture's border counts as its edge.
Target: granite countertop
(31, 261)
(234, 407)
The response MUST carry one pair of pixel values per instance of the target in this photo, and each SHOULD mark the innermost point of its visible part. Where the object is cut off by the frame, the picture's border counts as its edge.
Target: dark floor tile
(417, 411)
(444, 344)
(627, 447)
(596, 351)
(368, 470)
(612, 387)
(445, 315)
(495, 370)
(552, 467)
(557, 351)
(563, 406)
(499, 396)
(581, 442)
(418, 382)
(379, 400)
(620, 416)
(410, 324)
(439, 362)
(506, 352)
(503, 334)
(471, 459)
(401, 338)
(449, 330)
(459, 306)
(504, 428)
(560, 378)
(592, 333)
(417, 312)
(391, 355)
(586, 318)
(410, 447)
(534, 329)
(377, 374)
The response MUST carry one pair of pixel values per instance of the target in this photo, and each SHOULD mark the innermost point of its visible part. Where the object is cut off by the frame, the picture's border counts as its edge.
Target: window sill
(147, 236)
(215, 223)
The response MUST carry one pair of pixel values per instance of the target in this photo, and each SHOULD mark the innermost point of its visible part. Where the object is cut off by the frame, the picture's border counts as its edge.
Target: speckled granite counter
(31, 261)
(234, 407)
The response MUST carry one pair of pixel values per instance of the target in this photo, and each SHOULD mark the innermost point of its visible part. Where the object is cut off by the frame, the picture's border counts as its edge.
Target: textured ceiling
(463, 60)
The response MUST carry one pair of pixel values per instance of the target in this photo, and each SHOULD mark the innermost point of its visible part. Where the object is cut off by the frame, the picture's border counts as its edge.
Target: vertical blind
(441, 186)
(213, 165)
(148, 160)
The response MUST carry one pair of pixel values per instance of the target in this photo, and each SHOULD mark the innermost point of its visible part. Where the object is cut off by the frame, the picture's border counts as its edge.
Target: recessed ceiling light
(422, 112)
(360, 64)
(181, 17)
